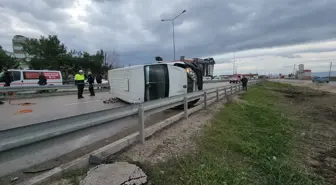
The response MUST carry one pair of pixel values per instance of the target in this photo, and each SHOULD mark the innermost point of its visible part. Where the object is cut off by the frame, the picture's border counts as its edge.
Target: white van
(31, 77)
(141, 83)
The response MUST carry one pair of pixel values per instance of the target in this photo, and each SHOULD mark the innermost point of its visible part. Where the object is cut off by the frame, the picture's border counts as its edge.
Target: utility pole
(330, 71)
(234, 63)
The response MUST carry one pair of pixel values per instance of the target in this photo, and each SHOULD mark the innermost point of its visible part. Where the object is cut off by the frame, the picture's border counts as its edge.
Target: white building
(18, 52)
(303, 74)
(17, 42)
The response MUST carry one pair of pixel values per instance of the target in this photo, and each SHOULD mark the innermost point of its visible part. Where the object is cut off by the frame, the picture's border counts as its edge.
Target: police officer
(79, 81)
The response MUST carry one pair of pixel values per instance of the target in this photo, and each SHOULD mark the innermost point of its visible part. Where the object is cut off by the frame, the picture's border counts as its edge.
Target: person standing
(244, 81)
(7, 78)
(99, 79)
(91, 82)
(42, 79)
(79, 81)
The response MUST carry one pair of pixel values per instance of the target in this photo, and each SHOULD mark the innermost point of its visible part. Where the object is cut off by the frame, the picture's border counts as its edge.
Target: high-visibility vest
(79, 78)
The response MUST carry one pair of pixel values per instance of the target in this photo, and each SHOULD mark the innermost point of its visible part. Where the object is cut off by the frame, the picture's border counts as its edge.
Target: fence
(20, 92)
(20, 136)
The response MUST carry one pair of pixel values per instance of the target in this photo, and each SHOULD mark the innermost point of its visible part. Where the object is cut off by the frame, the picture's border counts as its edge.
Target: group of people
(80, 83)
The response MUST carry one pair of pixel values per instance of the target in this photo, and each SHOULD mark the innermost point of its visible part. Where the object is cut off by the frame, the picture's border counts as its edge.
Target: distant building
(17, 42)
(303, 74)
(18, 51)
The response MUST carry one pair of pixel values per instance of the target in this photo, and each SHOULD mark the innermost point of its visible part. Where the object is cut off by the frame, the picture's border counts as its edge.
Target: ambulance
(25, 78)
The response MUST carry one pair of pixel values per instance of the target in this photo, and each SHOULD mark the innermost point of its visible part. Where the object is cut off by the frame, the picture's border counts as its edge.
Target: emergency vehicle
(31, 77)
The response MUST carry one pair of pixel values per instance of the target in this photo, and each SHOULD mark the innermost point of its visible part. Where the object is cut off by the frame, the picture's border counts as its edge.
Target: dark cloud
(209, 27)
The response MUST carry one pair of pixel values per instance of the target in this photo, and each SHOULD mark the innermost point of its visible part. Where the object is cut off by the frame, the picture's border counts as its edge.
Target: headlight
(191, 73)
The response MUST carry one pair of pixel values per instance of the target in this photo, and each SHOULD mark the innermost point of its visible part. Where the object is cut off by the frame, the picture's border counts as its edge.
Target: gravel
(175, 140)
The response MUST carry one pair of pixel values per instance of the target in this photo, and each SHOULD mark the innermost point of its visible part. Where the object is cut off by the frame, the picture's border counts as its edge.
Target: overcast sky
(267, 35)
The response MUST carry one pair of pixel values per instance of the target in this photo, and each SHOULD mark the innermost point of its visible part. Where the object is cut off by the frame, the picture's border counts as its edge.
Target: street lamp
(172, 20)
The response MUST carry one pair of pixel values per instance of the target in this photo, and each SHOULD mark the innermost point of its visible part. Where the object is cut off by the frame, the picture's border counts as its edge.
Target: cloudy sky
(269, 36)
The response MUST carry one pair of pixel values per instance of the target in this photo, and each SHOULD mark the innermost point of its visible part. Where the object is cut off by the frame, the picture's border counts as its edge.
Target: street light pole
(173, 23)
(173, 37)
(330, 71)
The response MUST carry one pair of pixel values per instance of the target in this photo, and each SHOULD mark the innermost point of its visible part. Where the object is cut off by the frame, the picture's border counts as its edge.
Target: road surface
(56, 107)
(71, 146)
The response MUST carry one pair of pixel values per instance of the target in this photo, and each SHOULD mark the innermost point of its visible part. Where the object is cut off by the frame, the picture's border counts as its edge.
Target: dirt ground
(315, 110)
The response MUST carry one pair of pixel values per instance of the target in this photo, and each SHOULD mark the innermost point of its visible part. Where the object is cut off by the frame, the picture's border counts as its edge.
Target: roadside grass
(248, 142)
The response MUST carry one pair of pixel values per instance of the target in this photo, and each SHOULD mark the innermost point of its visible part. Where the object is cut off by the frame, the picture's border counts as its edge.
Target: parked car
(320, 79)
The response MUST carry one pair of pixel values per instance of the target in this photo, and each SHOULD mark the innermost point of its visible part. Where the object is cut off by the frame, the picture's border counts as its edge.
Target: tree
(7, 61)
(46, 52)
(50, 53)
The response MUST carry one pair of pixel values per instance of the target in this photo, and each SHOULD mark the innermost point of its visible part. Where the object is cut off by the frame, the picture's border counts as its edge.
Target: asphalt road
(56, 107)
(70, 146)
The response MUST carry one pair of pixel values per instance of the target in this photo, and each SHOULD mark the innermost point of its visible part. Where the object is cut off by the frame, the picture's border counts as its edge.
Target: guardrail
(9, 93)
(63, 87)
(41, 88)
(215, 81)
(20, 136)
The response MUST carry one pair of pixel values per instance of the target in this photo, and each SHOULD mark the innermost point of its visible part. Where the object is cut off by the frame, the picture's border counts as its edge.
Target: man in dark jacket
(99, 79)
(91, 82)
(42, 79)
(244, 81)
(7, 78)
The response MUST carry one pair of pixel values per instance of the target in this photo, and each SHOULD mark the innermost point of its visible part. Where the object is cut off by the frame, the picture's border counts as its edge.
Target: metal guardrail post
(205, 100)
(217, 95)
(231, 90)
(225, 92)
(239, 88)
(185, 107)
(141, 113)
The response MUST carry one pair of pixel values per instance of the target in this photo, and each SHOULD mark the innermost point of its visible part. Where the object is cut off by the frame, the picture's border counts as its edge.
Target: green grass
(247, 143)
